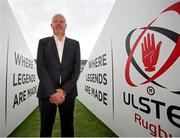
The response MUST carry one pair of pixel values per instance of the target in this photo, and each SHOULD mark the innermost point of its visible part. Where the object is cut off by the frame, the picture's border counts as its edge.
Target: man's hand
(58, 97)
(61, 92)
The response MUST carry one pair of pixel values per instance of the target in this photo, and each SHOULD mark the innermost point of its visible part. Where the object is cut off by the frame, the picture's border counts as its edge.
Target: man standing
(58, 68)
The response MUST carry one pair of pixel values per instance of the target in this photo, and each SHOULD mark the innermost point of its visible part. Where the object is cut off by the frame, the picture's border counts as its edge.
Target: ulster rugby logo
(150, 48)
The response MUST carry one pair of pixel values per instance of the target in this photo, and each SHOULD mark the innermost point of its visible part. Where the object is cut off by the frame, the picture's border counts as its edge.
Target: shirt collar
(56, 38)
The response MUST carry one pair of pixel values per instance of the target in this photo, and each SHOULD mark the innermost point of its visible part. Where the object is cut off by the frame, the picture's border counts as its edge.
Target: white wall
(2, 70)
(0, 64)
(123, 118)
(16, 102)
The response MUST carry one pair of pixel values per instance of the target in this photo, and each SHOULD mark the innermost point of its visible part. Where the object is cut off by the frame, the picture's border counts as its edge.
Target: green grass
(85, 123)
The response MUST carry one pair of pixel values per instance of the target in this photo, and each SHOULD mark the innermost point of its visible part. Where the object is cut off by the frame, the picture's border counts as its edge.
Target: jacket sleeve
(45, 80)
(70, 84)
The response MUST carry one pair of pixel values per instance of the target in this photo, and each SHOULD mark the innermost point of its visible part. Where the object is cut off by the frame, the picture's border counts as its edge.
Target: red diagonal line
(131, 55)
(175, 7)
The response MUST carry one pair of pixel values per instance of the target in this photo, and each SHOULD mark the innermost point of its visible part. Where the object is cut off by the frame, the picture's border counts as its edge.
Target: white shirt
(60, 48)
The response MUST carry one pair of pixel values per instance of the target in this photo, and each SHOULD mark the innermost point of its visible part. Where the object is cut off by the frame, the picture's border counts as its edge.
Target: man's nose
(58, 24)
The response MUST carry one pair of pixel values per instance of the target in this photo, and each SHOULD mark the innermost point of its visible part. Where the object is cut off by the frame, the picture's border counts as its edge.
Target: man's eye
(58, 21)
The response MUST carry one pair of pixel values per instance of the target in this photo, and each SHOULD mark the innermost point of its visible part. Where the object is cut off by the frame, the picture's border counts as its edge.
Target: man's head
(58, 24)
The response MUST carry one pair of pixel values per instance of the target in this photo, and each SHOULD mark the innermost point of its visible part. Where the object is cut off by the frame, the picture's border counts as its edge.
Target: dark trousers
(48, 114)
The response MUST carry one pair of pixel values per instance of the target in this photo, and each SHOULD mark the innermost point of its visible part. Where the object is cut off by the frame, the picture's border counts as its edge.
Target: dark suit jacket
(49, 67)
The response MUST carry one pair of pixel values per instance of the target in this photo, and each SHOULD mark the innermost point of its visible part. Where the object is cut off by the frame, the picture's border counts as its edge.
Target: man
(58, 68)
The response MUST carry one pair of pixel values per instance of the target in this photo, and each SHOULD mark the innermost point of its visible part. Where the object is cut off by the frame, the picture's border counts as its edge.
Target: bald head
(58, 24)
(58, 16)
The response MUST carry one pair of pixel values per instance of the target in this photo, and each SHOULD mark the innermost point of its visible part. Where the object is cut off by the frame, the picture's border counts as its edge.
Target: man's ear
(51, 25)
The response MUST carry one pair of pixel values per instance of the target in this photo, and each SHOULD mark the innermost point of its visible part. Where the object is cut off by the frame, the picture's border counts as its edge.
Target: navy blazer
(49, 68)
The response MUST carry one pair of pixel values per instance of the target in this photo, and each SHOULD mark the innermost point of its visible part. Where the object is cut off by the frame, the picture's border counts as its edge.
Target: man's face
(58, 24)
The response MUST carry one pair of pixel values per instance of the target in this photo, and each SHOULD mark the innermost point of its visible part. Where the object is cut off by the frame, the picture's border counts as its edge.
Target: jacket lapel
(65, 51)
(53, 44)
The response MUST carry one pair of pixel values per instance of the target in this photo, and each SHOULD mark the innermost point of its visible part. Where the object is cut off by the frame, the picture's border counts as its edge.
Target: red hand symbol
(150, 52)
